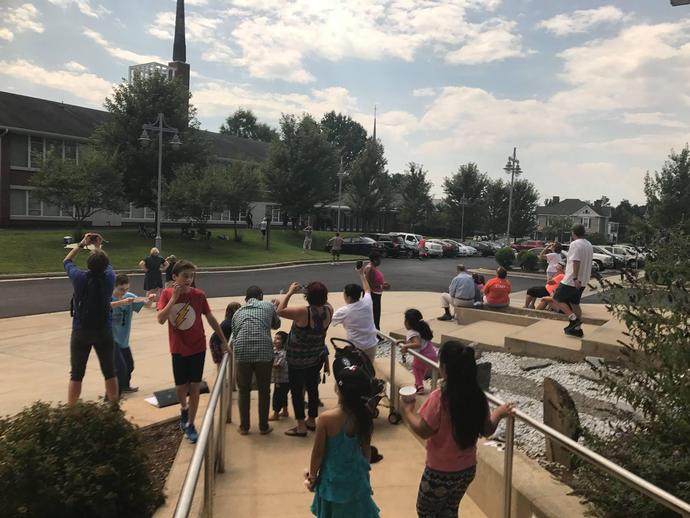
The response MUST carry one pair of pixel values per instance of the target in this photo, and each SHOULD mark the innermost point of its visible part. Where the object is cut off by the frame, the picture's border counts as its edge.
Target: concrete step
(546, 339)
(488, 336)
(594, 315)
(605, 341)
(468, 316)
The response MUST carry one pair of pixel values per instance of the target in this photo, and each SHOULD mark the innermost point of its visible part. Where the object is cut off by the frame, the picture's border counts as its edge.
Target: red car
(527, 244)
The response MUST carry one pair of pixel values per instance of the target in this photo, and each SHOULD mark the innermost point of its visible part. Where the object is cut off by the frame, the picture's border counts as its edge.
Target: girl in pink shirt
(418, 337)
(451, 419)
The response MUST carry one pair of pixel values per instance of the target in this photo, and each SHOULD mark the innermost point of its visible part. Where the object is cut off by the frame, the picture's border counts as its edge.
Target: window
(54, 146)
(216, 216)
(51, 210)
(586, 222)
(241, 215)
(70, 150)
(149, 214)
(126, 212)
(19, 150)
(34, 204)
(18, 202)
(275, 213)
(137, 212)
(36, 151)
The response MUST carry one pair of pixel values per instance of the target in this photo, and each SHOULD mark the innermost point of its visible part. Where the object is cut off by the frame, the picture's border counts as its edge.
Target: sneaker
(130, 389)
(184, 417)
(445, 317)
(191, 433)
(574, 332)
(573, 324)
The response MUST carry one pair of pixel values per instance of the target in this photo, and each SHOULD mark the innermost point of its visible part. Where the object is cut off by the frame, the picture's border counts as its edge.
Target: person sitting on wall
(497, 290)
(545, 292)
(460, 293)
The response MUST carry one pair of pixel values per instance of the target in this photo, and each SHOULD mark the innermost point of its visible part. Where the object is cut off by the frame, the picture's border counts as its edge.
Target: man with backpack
(91, 317)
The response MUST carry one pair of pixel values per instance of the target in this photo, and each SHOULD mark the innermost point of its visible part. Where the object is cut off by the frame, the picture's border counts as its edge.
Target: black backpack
(93, 307)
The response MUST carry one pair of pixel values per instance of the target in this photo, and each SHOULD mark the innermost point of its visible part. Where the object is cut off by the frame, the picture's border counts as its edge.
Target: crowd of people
(451, 419)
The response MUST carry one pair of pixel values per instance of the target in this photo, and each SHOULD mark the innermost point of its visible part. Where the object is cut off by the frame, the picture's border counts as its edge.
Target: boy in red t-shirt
(182, 306)
(497, 290)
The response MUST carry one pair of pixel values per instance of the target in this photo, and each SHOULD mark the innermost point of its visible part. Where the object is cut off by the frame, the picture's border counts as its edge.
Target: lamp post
(513, 169)
(463, 202)
(341, 174)
(175, 142)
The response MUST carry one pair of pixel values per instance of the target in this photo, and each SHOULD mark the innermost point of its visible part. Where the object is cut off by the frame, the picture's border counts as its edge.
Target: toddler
(279, 377)
(418, 337)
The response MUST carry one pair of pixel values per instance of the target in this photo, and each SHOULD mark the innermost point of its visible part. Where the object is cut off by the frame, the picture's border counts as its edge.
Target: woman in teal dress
(339, 469)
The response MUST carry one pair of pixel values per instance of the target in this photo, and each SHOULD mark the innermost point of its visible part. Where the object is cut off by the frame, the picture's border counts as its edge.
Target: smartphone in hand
(359, 264)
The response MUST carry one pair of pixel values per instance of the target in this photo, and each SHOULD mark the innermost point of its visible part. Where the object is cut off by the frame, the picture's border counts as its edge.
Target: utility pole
(513, 168)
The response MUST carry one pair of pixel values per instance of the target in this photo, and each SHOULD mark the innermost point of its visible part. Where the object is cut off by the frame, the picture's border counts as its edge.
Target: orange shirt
(497, 291)
(556, 281)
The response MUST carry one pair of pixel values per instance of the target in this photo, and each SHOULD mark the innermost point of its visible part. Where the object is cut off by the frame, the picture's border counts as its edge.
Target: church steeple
(180, 46)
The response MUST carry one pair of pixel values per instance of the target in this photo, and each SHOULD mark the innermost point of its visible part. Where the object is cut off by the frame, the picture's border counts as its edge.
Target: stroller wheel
(394, 418)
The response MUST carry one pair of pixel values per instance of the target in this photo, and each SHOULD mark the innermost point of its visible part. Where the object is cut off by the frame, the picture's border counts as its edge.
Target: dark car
(390, 246)
(356, 245)
(483, 247)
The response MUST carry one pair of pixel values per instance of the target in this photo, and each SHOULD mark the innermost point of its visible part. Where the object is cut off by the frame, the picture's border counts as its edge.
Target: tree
(243, 123)
(367, 190)
(91, 185)
(668, 192)
(471, 184)
(558, 227)
(496, 206)
(301, 167)
(630, 219)
(345, 134)
(194, 194)
(415, 193)
(240, 183)
(523, 220)
(137, 103)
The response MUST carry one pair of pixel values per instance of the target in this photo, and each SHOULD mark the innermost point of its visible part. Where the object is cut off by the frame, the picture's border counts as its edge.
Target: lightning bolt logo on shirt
(182, 316)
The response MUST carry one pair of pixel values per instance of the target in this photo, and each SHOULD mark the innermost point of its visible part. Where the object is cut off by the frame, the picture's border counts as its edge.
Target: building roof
(43, 116)
(570, 206)
(40, 115)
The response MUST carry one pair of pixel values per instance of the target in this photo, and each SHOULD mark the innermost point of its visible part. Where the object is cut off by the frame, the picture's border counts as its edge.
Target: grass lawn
(41, 250)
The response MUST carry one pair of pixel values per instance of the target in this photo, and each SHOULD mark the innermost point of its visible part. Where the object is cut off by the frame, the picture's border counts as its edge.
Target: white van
(411, 241)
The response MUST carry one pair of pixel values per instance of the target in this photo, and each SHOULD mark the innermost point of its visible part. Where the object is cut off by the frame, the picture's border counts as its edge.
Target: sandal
(311, 427)
(294, 432)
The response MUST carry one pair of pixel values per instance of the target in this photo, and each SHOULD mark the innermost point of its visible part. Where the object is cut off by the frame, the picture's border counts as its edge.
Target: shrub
(654, 440)
(528, 261)
(505, 257)
(86, 460)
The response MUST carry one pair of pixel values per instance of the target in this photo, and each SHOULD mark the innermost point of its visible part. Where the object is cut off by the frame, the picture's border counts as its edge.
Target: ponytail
(416, 321)
(465, 400)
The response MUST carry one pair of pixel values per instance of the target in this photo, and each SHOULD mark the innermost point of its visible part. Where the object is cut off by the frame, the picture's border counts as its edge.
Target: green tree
(415, 195)
(668, 192)
(301, 168)
(91, 185)
(523, 221)
(240, 183)
(631, 221)
(367, 190)
(243, 123)
(496, 206)
(469, 182)
(194, 194)
(345, 134)
(137, 103)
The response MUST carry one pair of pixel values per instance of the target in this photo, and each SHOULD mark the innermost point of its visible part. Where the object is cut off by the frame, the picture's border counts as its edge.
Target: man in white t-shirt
(357, 317)
(577, 273)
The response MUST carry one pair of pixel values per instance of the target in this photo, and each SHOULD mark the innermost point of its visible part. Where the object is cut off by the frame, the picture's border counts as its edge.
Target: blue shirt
(122, 320)
(78, 278)
(462, 286)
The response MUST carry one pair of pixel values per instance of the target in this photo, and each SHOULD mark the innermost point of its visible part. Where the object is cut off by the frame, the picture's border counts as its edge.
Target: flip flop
(294, 432)
(311, 428)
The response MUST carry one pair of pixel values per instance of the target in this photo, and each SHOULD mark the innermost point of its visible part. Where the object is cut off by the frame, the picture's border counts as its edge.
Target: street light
(513, 168)
(175, 142)
(463, 202)
(341, 174)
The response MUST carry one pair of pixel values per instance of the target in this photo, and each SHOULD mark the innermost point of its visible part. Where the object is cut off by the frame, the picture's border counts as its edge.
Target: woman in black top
(154, 265)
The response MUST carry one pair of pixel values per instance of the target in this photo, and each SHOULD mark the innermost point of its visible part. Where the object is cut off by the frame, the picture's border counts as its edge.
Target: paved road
(27, 297)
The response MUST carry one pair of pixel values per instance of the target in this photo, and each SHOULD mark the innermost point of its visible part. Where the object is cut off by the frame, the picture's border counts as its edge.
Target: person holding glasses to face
(124, 304)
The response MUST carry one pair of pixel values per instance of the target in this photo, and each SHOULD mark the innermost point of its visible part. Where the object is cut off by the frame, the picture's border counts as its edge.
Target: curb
(19, 276)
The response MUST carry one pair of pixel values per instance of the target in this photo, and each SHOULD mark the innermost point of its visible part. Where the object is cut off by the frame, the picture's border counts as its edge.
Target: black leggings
(80, 347)
(280, 396)
(440, 492)
(305, 379)
(376, 303)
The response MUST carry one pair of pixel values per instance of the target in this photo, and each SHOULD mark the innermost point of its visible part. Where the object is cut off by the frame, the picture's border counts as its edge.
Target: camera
(359, 264)
(93, 238)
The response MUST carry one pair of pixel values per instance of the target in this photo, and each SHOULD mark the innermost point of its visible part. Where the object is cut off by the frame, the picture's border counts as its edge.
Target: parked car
(600, 261)
(632, 259)
(485, 248)
(356, 245)
(450, 248)
(411, 241)
(434, 247)
(527, 244)
(389, 246)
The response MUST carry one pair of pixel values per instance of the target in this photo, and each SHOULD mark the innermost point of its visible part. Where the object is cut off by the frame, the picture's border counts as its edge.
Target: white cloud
(653, 119)
(118, 53)
(495, 41)
(424, 92)
(23, 18)
(87, 86)
(84, 7)
(582, 20)
(73, 66)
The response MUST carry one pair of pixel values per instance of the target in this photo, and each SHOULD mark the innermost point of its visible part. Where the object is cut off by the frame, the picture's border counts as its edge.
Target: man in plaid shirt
(251, 339)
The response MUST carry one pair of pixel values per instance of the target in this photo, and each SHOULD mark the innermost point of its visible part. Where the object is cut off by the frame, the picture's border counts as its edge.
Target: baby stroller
(347, 355)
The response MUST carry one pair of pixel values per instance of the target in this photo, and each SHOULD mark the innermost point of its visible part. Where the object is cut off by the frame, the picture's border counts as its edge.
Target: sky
(592, 94)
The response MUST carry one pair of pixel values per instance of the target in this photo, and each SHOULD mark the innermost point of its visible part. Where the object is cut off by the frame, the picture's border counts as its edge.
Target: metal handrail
(630, 479)
(208, 452)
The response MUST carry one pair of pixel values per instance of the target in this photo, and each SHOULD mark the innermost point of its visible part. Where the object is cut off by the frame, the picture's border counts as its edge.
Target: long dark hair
(416, 321)
(355, 390)
(464, 398)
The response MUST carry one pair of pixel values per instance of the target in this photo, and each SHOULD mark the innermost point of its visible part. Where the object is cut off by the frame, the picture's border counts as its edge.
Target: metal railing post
(434, 379)
(393, 396)
(221, 424)
(231, 382)
(508, 466)
(209, 472)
